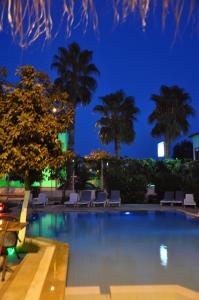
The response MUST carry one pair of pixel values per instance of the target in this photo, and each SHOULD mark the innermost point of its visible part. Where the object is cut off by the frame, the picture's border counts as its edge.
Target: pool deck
(43, 276)
(40, 275)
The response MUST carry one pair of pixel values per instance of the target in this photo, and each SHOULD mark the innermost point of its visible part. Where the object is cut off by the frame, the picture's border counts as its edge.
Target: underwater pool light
(127, 213)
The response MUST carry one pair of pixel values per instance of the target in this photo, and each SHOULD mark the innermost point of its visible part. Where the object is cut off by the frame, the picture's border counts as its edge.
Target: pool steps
(151, 292)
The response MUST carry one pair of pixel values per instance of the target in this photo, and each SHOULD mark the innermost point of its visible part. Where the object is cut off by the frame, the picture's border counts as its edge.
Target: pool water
(125, 248)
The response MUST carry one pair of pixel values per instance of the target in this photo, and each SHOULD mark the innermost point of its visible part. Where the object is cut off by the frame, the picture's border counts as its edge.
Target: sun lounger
(179, 198)
(189, 200)
(41, 200)
(168, 198)
(115, 198)
(85, 198)
(73, 199)
(101, 199)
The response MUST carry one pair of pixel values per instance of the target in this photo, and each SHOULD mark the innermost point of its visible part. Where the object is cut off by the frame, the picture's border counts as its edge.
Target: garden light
(11, 251)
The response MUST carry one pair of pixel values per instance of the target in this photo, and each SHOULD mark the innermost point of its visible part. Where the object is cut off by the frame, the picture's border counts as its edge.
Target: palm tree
(170, 114)
(118, 113)
(75, 76)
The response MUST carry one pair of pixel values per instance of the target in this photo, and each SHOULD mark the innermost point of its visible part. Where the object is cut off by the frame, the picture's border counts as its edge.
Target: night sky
(128, 58)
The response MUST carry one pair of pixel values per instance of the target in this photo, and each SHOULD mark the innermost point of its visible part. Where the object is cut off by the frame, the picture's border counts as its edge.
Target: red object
(2, 206)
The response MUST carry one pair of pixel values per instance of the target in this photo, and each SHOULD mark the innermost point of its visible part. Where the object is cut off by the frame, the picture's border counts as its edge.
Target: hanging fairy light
(30, 19)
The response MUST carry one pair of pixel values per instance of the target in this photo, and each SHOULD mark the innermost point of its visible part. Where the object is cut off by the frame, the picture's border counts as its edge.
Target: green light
(11, 251)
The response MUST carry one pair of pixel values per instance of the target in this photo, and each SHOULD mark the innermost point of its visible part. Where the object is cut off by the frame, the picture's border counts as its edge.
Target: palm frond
(30, 19)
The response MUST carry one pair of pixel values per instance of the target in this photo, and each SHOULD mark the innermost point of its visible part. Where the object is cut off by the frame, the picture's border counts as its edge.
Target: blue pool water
(118, 248)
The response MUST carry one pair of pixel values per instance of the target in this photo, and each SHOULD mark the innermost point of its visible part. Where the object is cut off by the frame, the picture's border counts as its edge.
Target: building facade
(195, 141)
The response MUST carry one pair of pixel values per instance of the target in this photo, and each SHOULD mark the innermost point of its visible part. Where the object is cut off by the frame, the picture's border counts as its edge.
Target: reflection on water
(163, 255)
(116, 248)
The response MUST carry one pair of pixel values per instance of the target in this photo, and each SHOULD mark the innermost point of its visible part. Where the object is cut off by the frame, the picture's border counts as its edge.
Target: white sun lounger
(41, 200)
(73, 199)
(189, 200)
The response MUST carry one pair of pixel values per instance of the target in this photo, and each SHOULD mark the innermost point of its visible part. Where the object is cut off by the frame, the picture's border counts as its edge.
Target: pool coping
(124, 207)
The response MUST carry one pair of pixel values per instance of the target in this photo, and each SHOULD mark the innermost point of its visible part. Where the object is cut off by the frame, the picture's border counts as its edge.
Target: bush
(132, 176)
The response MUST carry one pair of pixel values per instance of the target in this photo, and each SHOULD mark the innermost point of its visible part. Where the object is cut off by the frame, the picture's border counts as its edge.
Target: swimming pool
(125, 248)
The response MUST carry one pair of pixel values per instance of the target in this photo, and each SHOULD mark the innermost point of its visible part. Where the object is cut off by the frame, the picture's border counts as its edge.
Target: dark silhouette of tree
(170, 115)
(183, 150)
(118, 113)
(76, 76)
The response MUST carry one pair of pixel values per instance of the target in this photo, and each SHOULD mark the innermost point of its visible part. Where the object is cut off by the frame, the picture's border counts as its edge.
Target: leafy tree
(3, 76)
(118, 113)
(28, 128)
(183, 150)
(170, 114)
(99, 156)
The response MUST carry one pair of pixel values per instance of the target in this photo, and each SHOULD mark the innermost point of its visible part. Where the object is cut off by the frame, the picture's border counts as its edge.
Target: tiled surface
(85, 290)
(88, 297)
(152, 292)
(139, 292)
(40, 276)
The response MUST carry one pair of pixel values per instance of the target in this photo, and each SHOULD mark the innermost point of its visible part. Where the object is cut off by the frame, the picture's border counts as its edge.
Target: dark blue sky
(129, 59)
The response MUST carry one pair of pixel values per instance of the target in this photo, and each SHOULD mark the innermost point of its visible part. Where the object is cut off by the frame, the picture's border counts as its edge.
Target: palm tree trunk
(117, 148)
(102, 175)
(167, 148)
(71, 135)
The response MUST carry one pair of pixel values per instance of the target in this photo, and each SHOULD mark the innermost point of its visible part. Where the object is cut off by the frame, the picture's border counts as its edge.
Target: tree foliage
(118, 113)
(183, 150)
(170, 116)
(28, 128)
(76, 76)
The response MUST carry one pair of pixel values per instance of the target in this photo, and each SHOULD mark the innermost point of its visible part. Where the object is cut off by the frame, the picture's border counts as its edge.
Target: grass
(28, 247)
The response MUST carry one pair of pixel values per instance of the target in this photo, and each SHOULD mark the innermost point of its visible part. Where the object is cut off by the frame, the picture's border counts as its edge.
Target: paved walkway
(40, 275)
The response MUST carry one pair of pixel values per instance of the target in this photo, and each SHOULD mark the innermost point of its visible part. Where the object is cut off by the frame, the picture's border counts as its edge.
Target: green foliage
(28, 247)
(131, 177)
(83, 176)
(28, 128)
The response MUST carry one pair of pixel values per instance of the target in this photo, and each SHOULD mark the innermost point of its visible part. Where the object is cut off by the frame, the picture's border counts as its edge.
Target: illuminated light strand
(30, 19)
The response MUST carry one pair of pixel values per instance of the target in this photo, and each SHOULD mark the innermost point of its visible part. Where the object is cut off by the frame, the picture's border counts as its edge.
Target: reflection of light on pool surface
(163, 256)
(118, 249)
